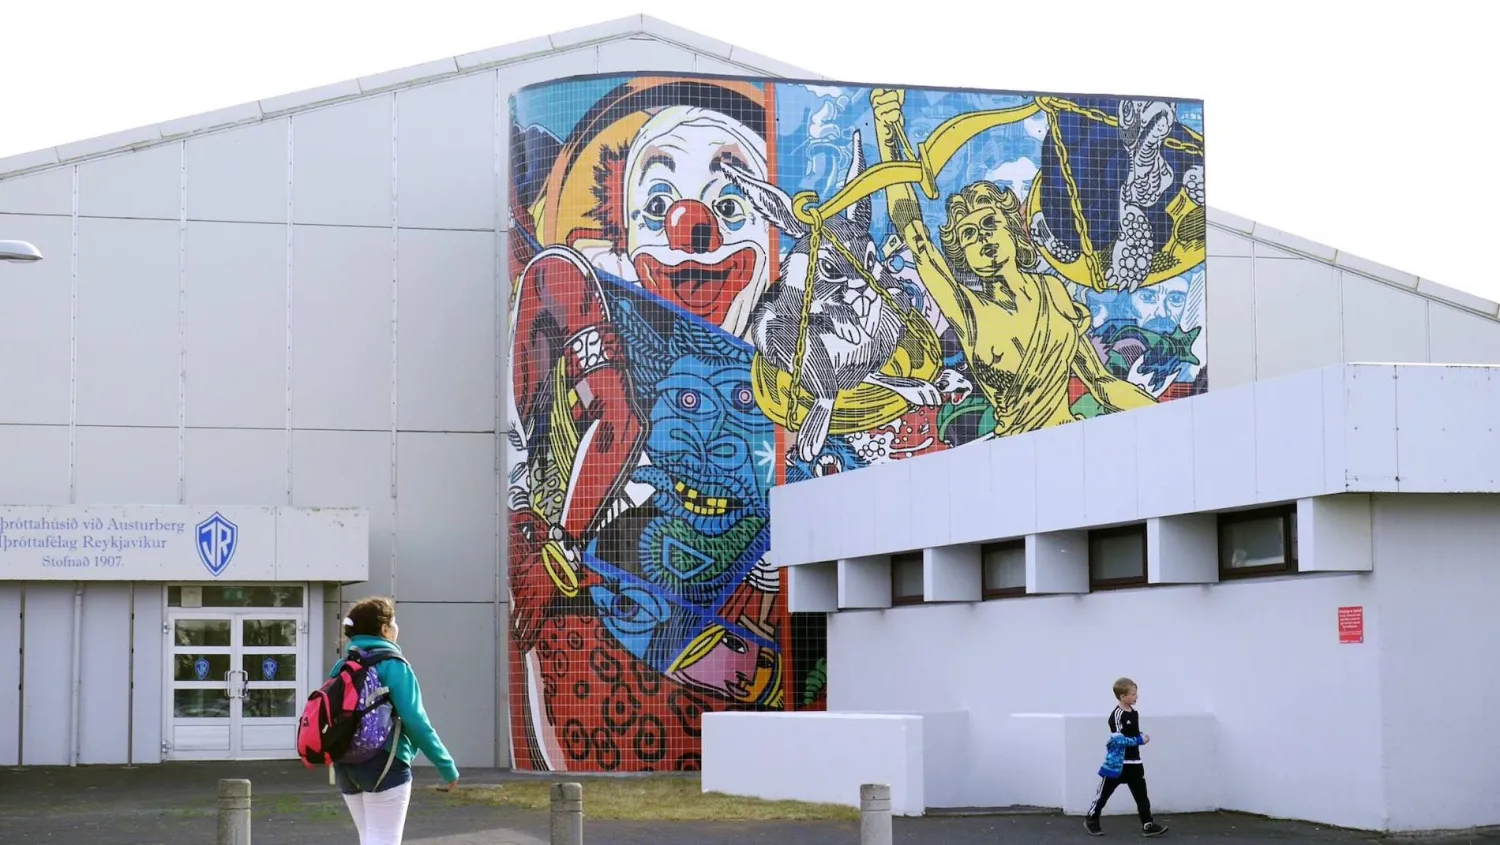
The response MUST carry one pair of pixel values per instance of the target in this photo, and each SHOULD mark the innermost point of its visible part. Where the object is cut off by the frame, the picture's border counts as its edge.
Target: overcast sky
(1373, 132)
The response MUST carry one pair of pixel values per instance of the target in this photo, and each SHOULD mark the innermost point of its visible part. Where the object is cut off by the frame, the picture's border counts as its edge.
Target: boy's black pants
(1133, 776)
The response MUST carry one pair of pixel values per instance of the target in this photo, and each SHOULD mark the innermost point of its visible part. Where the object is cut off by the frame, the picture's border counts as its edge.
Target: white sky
(1373, 132)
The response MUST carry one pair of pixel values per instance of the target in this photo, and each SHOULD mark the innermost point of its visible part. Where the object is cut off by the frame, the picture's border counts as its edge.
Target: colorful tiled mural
(720, 285)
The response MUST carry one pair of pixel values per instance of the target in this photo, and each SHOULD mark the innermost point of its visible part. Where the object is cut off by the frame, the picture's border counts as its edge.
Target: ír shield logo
(217, 540)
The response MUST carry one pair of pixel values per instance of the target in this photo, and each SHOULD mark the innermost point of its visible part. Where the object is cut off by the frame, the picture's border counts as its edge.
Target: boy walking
(1122, 762)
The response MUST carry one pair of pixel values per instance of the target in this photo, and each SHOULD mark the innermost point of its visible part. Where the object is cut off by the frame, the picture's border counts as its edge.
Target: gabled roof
(1300, 247)
(616, 30)
(280, 106)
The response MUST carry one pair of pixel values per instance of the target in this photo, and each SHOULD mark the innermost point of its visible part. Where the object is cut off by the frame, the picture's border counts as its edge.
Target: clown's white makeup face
(692, 236)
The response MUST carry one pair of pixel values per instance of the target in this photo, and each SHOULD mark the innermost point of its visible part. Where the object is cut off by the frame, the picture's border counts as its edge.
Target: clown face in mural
(692, 238)
(639, 531)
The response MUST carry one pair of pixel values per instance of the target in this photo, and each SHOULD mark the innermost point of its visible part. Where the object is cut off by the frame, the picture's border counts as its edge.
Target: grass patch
(667, 799)
(295, 806)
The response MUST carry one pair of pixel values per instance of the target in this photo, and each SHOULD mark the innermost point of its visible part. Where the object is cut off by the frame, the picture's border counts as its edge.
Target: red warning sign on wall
(1352, 624)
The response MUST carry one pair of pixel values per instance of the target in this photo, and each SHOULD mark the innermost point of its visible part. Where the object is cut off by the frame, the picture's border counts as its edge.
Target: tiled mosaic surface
(985, 264)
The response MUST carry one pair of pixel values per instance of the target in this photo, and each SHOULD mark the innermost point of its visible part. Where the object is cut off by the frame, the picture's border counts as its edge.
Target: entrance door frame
(237, 681)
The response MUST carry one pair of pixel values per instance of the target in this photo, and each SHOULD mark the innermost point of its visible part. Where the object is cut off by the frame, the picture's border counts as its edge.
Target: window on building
(1258, 542)
(906, 578)
(1004, 569)
(1117, 557)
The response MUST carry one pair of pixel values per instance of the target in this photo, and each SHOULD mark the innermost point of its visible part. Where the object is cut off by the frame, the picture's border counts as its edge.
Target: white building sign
(182, 543)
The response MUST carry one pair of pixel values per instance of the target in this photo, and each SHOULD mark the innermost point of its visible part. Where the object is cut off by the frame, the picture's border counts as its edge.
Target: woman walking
(378, 790)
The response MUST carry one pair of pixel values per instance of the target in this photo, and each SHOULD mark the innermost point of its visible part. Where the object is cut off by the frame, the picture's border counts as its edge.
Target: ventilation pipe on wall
(77, 670)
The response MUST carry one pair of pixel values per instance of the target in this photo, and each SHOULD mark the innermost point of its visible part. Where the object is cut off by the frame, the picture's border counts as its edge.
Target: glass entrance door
(235, 677)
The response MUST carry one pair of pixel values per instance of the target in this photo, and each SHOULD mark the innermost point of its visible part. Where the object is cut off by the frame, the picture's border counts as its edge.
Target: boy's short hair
(1123, 687)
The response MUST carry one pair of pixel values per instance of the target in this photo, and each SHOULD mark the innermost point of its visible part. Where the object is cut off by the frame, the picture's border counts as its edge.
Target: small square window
(1004, 569)
(1117, 557)
(906, 578)
(1258, 542)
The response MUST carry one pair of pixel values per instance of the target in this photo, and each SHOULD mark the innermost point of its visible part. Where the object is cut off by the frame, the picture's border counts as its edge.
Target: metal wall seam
(182, 325)
(73, 351)
(21, 687)
(290, 265)
(501, 207)
(395, 358)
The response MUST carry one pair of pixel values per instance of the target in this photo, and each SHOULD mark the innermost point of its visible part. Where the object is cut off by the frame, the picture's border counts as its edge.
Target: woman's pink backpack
(350, 718)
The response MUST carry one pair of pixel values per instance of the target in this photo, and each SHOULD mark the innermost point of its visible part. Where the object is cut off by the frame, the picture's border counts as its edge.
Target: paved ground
(174, 805)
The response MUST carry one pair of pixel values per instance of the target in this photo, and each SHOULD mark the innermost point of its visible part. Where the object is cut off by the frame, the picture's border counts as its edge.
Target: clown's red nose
(691, 227)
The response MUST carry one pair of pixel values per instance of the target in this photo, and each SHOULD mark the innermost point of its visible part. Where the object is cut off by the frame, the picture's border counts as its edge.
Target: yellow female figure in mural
(1021, 332)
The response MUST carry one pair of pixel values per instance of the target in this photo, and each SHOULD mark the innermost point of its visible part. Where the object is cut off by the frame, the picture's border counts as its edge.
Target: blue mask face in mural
(705, 435)
(837, 456)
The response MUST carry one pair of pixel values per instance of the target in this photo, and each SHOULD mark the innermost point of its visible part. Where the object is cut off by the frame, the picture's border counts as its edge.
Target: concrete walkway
(174, 805)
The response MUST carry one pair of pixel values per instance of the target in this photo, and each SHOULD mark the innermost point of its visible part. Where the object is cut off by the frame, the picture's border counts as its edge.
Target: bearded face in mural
(691, 236)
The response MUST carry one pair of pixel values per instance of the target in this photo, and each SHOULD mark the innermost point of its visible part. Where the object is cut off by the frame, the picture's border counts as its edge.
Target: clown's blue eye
(744, 398)
(689, 400)
(659, 198)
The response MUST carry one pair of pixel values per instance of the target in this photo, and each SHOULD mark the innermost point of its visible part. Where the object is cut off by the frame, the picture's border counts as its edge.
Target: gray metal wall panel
(350, 469)
(444, 148)
(445, 517)
(226, 466)
(149, 682)
(35, 321)
(104, 723)
(36, 464)
(239, 175)
(47, 192)
(141, 185)
(444, 641)
(10, 668)
(317, 632)
(1458, 337)
(128, 349)
(333, 624)
(127, 466)
(341, 328)
(445, 378)
(341, 164)
(235, 332)
(47, 674)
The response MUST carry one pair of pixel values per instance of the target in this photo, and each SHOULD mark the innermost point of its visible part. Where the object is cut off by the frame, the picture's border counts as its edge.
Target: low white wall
(945, 736)
(818, 757)
(1064, 750)
(1182, 764)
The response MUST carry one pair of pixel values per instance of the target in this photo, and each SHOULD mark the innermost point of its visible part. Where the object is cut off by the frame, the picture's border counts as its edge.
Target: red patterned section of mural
(721, 285)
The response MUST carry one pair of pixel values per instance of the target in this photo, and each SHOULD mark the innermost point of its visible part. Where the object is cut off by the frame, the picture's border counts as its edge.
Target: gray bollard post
(234, 812)
(875, 814)
(567, 814)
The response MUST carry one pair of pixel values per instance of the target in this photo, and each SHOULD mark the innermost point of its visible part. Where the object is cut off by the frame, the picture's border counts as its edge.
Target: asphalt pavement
(174, 804)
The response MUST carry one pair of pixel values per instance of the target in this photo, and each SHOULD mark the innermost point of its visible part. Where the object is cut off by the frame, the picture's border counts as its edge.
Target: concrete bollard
(234, 812)
(567, 814)
(875, 814)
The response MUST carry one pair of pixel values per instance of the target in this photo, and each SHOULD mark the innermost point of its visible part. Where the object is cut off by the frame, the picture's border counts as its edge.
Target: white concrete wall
(818, 757)
(1299, 714)
(1393, 733)
(1437, 581)
(1344, 428)
(305, 309)
(1279, 304)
